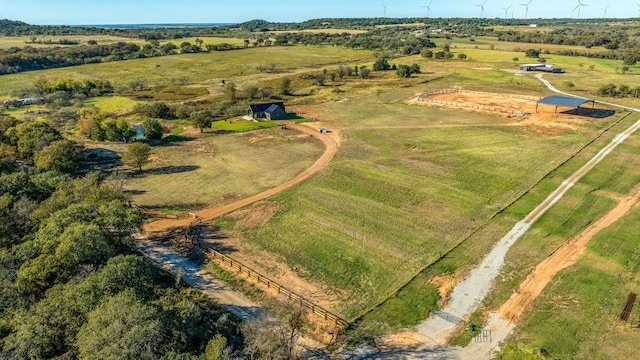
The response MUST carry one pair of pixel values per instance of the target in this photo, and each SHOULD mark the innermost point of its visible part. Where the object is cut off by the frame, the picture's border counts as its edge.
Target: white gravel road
(200, 279)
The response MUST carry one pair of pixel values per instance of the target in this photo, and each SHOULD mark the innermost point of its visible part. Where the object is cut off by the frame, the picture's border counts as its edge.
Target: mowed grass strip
(396, 198)
(592, 197)
(112, 104)
(213, 170)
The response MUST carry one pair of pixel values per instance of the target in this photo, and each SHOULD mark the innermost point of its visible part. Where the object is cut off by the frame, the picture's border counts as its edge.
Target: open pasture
(408, 185)
(207, 171)
(195, 68)
(53, 41)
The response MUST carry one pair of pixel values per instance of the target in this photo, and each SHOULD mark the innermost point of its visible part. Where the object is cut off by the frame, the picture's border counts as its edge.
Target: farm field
(201, 67)
(22, 41)
(409, 185)
(427, 179)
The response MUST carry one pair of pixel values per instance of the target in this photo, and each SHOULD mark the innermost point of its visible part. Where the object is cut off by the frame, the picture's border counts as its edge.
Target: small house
(550, 68)
(269, 111)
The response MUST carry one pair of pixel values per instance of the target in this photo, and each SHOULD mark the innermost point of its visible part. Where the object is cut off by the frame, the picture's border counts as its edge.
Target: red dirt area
(520, 110)
(563, 257)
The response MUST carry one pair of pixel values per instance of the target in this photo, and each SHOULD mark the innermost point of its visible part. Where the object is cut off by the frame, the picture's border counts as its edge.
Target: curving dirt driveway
(236, 302)
(331, 142)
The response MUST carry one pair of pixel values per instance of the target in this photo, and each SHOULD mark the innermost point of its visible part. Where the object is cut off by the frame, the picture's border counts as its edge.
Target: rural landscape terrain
(336, 188)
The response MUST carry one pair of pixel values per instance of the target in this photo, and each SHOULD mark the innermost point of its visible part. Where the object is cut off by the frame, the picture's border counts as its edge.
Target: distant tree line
(399, 39)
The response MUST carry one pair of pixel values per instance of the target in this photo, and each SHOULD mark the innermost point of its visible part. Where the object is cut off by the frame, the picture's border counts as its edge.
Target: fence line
(194, 234)
(475, 107)
(158, 215)
(305, 116)
(449, 91)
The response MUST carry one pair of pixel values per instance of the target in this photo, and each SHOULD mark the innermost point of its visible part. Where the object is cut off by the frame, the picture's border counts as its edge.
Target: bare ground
(544, 121)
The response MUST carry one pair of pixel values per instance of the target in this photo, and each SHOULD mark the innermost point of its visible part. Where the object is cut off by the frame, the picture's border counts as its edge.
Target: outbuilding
(549, 68)
(269, 111)
(567, 102)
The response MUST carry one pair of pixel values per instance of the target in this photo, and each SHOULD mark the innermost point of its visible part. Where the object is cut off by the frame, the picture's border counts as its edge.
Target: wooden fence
(628, 307)
(305, 116)
(423, 97)
(158, 215)
(193, 234)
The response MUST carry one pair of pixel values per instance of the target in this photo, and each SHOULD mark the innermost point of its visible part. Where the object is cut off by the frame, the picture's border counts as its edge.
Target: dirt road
(331, 142)
(235, 302)
(504, 320)
(193, 275)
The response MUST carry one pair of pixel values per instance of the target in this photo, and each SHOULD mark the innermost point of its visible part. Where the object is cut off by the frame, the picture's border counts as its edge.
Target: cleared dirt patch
(520, 110)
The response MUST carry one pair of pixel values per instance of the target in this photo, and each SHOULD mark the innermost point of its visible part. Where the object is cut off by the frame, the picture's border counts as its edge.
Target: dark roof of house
(272, 108)
(257, 108)
(564, 101)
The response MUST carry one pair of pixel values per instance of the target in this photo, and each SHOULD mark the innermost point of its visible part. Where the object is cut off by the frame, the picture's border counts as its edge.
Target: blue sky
(74, 12)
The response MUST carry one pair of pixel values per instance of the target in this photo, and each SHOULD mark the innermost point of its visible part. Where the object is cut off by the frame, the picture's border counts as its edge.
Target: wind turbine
(526, 9)
(385, 9)
(506, 10)
(428, 8)
(604, 12)
(638, 9)
(580, 4)
(482, 9)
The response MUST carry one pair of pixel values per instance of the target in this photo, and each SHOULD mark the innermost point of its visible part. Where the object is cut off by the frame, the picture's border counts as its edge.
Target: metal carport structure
(563, 101)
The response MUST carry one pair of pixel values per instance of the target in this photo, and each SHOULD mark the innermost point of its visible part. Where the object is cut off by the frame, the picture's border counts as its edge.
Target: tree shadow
(166, 236)
(211, 236)
(182, 207)
(171, 140)
(395, 352)
(164, 170)
(134, 192)
(99, 159)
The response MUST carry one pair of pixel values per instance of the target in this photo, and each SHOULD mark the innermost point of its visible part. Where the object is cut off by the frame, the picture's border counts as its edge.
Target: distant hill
(9, 26)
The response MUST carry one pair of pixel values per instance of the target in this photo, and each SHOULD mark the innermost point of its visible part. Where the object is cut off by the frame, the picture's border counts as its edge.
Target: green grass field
(112, 104)
(196, 68)
(409, 184)
(576, 315)
(210, 171)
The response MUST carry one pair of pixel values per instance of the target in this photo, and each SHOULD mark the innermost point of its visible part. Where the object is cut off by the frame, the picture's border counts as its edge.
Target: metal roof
(564, 101)
(256, 108)
(272, 108)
